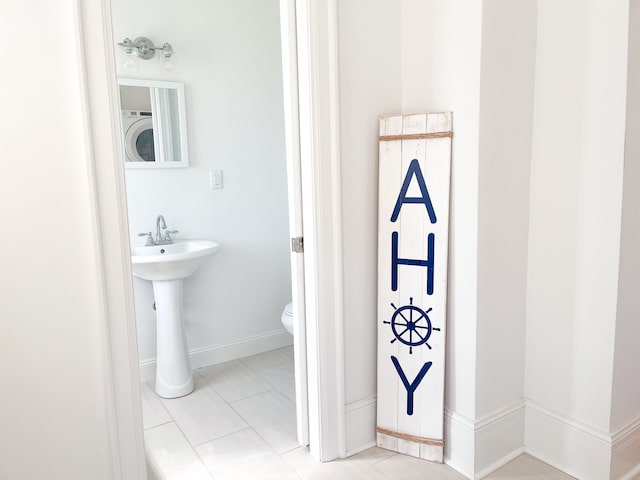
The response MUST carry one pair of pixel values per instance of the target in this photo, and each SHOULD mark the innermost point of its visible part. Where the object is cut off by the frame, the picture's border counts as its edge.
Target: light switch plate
(215, 179)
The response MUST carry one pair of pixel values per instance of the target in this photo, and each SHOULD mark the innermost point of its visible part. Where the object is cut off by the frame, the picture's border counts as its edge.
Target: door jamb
(317, 53)
(97, 68)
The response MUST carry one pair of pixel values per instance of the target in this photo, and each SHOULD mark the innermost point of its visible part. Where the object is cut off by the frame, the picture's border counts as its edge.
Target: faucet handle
(149, 236)
(168, 233)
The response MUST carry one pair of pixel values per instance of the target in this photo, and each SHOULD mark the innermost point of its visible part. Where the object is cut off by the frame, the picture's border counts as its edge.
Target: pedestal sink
(166, 266)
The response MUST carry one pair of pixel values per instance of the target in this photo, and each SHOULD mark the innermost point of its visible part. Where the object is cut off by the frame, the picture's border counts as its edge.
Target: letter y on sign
(411, 387)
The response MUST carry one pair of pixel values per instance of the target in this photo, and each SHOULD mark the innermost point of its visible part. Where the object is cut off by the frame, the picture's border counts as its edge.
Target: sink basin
(173, 261)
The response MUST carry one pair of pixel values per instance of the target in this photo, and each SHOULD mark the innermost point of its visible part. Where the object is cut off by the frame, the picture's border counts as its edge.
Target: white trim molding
(107, 181)
(477, 448)
(499, 438)
(625, 451)
(360, 421)
(576, 448)
(320, 166)
(459, 442)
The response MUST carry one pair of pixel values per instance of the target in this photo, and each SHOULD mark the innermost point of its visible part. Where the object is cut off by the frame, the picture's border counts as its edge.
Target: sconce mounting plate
(145, 48)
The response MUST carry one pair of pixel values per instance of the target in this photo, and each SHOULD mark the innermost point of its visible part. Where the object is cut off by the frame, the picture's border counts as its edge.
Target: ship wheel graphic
(411, 325)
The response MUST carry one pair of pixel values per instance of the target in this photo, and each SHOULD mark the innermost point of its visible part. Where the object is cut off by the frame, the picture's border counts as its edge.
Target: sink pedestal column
(174, 377)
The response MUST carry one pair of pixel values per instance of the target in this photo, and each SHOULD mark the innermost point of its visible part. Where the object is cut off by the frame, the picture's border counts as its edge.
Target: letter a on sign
(414, 171)
(413, 223)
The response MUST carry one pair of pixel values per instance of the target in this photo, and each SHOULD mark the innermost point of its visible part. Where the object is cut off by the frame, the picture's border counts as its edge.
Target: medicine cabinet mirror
(154, 124)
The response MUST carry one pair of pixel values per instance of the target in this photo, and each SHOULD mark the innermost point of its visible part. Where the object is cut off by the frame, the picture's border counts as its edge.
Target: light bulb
(167, 53)
(168, 65)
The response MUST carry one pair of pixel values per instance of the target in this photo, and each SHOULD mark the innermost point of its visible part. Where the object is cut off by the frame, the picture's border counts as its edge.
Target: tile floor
(239, 423)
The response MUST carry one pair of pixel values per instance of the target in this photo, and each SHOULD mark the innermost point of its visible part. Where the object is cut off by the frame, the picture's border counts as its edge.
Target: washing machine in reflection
(138, 136)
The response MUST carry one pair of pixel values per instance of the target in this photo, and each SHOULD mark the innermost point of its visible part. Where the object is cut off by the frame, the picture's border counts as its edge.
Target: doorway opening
(312, 50)
(232, 305)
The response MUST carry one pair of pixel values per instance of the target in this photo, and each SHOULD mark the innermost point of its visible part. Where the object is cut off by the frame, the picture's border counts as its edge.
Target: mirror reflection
(153, 123)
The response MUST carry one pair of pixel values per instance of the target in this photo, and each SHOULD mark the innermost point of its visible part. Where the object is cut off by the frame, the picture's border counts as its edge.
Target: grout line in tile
(183, 434)
(258, 433)
(187, 438)
(223, 436)
(260, 370)
(163, 423)
(279, 455)
(188, 443)
(284, 453)
(238, 399)
(378, 470)
(275, 390)
(194, 445)
(383, 459)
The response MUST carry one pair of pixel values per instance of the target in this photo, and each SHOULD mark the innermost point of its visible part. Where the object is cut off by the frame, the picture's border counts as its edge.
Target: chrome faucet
(161, 224)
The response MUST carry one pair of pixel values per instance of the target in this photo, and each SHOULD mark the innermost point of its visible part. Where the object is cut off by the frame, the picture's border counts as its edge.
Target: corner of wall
(459, 443)
(360, 425)
(499, 438)
(576, 448)
(625, 452)
(475, 449)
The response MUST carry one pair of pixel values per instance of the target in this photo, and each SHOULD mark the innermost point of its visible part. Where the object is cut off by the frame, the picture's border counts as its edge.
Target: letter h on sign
(395, 261)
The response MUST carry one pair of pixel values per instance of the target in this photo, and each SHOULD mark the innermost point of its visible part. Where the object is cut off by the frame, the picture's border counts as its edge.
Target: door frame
(316, 25)
(318, 132)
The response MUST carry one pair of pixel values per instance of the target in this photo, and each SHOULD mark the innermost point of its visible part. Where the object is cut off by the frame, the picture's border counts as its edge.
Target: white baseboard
(459, 443)
(205, 357)
(577, 449)
(360, 425)
(475, 449)
(625, 455)
(499, 438)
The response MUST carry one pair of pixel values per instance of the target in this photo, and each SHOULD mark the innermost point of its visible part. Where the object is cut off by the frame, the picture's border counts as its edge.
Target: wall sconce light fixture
(144, 49)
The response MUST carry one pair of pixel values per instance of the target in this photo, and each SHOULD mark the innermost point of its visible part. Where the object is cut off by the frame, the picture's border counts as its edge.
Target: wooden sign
(413, 219)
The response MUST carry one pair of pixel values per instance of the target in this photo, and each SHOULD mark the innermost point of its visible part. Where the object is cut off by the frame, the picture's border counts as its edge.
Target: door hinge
(297, 244)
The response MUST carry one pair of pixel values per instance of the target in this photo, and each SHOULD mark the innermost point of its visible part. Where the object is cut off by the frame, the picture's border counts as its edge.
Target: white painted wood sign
(413, 219)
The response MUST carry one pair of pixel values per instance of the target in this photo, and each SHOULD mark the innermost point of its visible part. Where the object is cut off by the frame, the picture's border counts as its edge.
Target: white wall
(478, 59)
(625, 403)
(429, 59)
(539, 106)
(364, 54)
(52, 333)
(423, 56)
(228, 56)
(575, 209)
(506, 117)
(626, 392)
(441, 51)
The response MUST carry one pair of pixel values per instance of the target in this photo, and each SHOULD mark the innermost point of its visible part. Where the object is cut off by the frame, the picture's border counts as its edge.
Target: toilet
(287, 318)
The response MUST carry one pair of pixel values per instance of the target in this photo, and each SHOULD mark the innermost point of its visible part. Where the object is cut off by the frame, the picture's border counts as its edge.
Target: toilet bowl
(287, 318)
